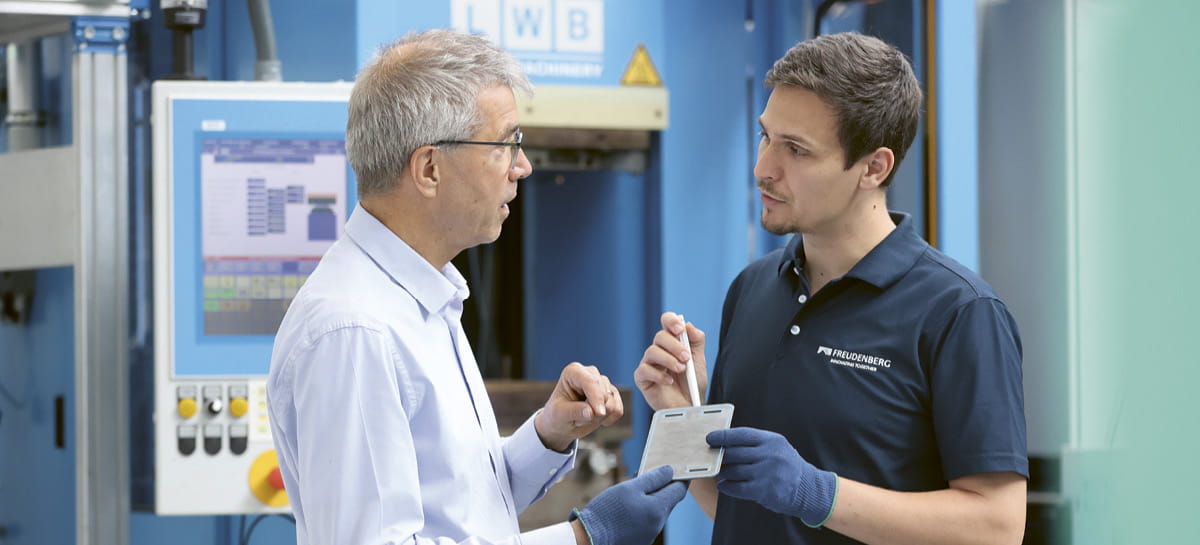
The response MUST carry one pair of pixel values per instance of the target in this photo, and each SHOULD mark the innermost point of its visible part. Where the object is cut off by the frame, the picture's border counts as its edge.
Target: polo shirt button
(796, 270)
(795, 330)
(802, 299)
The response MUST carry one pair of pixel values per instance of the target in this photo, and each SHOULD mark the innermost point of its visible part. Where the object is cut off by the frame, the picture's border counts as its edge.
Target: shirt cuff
(558, 534)
(533, 467)
(527, 433)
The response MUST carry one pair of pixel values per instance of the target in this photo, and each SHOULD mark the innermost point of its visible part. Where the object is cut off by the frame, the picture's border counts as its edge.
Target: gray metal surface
(1024, 215)
(677, 439)
(24, 118)
(37, 213)
(101, 317)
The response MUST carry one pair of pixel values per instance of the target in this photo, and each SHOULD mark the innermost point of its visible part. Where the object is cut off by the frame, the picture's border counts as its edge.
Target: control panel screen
(270, 208)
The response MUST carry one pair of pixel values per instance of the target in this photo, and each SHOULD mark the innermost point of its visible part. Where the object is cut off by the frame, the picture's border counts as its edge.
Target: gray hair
(419, 90)
(869, 84)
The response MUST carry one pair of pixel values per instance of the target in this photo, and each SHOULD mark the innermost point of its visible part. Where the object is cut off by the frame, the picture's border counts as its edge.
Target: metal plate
(677, 439)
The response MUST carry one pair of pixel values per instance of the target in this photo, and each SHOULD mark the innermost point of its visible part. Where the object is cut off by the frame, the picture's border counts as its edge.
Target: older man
(384, 430)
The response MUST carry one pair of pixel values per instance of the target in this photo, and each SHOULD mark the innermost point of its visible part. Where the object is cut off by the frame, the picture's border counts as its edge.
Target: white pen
(693, 389)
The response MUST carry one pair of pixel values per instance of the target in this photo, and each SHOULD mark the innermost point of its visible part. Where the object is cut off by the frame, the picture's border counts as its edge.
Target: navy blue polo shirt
(903, 374)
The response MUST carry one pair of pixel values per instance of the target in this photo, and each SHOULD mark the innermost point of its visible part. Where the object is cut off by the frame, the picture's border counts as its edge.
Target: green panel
(1136, 100)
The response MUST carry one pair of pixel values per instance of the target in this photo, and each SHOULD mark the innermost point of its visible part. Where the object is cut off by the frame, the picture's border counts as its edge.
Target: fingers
(740, 455)
(746, 437)
(659, 366)
(672, 493)
(667, 352)
(736, 489)
(591, 386)
(591, 398)
(734, 471)
(672, 322)
(654, 479)
(674, 353)
(614, 405)
(647, 375)
(695, 338)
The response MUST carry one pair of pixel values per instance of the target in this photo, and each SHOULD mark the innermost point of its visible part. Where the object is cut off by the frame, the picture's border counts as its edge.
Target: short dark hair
(869, 84)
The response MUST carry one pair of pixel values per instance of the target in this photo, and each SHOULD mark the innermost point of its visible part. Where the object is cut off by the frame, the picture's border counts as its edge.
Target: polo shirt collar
(433, 289)
(882, 266)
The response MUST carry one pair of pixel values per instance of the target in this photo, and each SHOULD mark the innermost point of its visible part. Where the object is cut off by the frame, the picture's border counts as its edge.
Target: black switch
(212, 445)
(187, 445)
(187, 439)
(238, 437)
(212, 438)
(237, 444)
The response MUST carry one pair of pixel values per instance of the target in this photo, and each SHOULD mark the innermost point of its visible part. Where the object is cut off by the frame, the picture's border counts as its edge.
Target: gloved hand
(763, 467)
(633, 512)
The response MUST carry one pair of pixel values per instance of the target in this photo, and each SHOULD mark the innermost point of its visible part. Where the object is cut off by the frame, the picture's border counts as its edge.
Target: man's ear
(876, 166)
(424, 170)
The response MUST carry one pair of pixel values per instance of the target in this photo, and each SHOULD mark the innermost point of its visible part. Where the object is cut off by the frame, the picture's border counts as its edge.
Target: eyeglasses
(514, 147)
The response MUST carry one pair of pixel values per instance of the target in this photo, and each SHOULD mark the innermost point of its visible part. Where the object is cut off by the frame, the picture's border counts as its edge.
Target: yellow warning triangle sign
(641, 70)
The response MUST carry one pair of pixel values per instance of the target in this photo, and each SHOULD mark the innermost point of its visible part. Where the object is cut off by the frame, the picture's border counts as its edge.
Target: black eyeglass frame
(515, 145)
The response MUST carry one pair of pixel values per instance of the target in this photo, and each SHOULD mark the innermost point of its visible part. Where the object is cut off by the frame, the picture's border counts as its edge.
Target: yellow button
(187, 407)
(264, 480)
(238, 407)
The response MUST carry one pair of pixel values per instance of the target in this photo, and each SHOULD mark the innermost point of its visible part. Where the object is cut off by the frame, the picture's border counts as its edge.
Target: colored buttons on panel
(210, 434)
(265, 481)
(213, 401)
(186, 407)
(238, 404)
(186, 401)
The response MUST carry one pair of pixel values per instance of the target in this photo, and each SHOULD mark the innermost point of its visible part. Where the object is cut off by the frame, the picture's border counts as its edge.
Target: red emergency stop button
(275, 478)
(265, 481)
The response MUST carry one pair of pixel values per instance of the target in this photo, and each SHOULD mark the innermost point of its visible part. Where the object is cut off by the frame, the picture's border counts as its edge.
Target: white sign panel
(563, 38)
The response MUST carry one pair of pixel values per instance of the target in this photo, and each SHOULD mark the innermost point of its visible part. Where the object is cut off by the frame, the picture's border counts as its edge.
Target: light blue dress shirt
(381, 423)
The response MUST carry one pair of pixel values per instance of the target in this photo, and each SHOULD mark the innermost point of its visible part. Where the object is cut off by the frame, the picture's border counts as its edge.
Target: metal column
(101, 280)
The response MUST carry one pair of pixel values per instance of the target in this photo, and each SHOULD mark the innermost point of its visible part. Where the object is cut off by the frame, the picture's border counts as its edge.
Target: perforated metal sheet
(677, 439)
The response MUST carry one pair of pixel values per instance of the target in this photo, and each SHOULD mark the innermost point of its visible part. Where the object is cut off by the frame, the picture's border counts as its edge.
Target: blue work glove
(763, 467)
(633, 512)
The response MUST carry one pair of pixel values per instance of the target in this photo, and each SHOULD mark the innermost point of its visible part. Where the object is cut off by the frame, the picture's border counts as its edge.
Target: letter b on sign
(579, 26)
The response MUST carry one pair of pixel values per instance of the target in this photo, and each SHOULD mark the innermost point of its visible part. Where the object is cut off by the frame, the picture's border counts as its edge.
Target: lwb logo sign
(551, 37)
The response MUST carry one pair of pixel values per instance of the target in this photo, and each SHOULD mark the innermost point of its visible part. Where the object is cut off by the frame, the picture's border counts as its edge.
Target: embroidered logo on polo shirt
(855, 360)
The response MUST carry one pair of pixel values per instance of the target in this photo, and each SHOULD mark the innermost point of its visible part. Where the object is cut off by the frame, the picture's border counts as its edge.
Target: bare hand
(582, 401)
(660, 375)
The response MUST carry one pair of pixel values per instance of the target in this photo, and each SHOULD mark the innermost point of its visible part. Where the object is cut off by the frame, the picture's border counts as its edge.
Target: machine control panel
(251, 186)
(216, 419)
(220, 433)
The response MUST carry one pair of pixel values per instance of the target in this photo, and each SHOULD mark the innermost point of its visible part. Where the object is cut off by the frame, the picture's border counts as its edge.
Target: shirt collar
(882, 266)
(433, 289)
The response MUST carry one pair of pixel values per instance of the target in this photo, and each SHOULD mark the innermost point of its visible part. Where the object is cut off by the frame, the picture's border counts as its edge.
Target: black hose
(820, 16)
